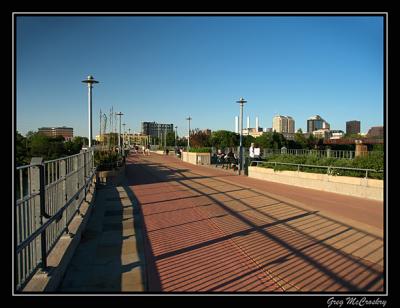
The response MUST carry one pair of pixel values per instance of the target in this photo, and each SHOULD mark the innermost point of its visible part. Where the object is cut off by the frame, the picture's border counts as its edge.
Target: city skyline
(163, 69)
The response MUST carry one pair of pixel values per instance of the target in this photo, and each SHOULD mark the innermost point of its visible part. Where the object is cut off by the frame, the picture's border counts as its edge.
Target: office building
(336, 134)
(353, 127)
(375, 132)
(155, 129)
(66, 132)
(283, 124)
(315, 123)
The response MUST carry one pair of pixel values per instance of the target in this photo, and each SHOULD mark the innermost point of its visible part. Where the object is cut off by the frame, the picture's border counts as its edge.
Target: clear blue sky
(164, 68)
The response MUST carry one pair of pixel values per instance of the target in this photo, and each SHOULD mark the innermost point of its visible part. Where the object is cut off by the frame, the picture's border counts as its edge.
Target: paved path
(208, 230)
(108, 258)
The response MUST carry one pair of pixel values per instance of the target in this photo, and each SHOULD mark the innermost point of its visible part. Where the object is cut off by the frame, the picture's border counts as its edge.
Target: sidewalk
(109, 256)
(210, 231)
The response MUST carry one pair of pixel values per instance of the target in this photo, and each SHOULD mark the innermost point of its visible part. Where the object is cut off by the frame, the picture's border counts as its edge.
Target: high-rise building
(353, 127)
(375, 132)
(283, 124)
(156, 129)
(66, 132)
(316, 123)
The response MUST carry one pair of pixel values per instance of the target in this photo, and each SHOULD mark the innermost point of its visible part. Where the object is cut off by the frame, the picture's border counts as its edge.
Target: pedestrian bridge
(169, 226)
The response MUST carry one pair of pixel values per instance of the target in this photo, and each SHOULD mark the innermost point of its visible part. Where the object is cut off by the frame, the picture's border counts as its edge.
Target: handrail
(42, 205)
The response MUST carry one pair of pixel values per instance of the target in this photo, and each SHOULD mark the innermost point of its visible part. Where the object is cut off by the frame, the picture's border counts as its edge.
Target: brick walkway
(206, 230)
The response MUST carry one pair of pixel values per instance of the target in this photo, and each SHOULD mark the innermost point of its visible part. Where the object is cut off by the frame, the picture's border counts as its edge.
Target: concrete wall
(197, 158)
(357, 187)
(111, 177)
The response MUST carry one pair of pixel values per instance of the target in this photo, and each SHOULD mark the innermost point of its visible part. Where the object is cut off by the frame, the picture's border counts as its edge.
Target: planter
(113, 177)
(197, 158)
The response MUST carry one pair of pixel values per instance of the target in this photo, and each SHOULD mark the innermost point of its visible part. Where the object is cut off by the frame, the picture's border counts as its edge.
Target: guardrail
(329, 168)
(48, 196)
(319, 153)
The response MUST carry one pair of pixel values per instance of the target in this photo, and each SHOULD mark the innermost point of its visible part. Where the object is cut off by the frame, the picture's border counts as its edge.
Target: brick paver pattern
(209, 231)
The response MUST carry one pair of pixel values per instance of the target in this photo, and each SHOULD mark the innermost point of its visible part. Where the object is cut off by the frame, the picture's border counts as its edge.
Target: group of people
(145, 149)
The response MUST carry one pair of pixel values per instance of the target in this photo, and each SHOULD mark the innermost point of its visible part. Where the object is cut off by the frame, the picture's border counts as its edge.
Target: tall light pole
(119, 134)
(129, 138)
(241, 160)
(189, 118)
(90, 81)
(124, 136)
(176, 134)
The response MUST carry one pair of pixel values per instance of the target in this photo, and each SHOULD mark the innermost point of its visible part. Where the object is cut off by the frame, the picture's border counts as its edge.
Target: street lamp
(124, 136)
(119, 134)
(90, 81)
(129, 138)
(241, 160)
(176, 134)
(189, 118)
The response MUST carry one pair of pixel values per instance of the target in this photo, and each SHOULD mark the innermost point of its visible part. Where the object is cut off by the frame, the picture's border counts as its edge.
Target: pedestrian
(251, 151)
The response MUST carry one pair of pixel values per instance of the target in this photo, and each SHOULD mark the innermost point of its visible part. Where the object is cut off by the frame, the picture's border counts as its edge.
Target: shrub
(200, 150)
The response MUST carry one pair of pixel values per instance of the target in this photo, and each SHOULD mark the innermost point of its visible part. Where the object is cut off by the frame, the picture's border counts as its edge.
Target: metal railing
(48, 196)
(330, 169)
(306, 152)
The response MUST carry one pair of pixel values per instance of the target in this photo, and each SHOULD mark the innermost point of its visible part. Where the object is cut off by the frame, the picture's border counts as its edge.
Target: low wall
(196, 158)
(352, 186)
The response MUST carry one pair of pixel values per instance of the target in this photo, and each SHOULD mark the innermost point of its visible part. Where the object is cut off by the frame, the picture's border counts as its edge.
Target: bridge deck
(206, 230)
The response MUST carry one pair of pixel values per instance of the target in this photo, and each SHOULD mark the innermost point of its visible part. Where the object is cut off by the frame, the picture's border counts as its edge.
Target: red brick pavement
(206, 232)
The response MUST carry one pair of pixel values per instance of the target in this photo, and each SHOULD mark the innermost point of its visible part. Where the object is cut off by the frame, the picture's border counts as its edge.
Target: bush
(200, 150)
(106, 160)
(375, 161)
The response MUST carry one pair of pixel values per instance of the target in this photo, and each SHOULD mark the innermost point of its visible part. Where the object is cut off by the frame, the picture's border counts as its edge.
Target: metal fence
(48, 196)
(305, 152)
(332, 170)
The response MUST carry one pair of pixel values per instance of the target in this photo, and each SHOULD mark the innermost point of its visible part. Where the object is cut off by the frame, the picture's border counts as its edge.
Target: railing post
(63, 173)
(38, 185)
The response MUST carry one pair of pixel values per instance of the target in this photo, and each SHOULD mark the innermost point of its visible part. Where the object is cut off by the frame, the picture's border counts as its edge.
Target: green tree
(170, 139)
(21, 150)
(200, 139)
(300, 140)
(224, 139)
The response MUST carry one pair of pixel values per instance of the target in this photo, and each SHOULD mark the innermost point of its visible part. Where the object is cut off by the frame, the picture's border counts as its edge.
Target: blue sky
(164, 68)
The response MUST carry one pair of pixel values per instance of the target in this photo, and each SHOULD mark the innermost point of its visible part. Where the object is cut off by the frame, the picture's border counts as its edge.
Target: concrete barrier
(352, 186)
(197, 158)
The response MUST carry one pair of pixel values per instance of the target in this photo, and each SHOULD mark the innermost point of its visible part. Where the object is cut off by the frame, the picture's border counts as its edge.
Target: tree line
(38, 145)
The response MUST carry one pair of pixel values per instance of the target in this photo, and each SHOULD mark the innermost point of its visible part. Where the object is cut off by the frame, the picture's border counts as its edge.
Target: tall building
(375, 132)
(353, 127)
(66, 132)
(283, 124)
(155, 129)
(316, 123)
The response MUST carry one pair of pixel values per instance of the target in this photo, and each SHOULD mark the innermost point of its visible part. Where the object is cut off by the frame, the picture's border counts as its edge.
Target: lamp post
(241, 160)
(176, 134)
(129, 138)
(189, 118)
(124, 137)
(119, 133)
(90, 81)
